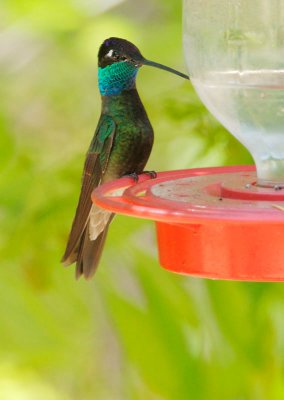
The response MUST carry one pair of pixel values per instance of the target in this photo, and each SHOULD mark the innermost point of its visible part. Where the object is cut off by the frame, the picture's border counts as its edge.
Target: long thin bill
(161, 66)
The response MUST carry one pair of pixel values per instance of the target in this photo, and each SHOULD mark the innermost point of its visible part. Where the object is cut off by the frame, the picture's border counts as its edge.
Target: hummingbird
(121, 146)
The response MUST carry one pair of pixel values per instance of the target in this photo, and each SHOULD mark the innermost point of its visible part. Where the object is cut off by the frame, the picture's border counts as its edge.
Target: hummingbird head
(119, 61)
(114, 50)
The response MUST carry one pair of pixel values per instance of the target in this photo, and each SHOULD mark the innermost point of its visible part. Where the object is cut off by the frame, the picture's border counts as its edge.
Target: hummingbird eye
(115, 55)
(118, 57)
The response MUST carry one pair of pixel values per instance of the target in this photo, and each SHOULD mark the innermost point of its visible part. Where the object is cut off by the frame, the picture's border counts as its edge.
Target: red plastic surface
(213, 222)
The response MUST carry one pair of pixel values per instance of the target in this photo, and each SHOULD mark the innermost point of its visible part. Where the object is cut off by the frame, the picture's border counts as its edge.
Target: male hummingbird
(121, 146)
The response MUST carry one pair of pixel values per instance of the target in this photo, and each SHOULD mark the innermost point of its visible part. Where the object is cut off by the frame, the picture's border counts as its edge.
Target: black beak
(161, 66)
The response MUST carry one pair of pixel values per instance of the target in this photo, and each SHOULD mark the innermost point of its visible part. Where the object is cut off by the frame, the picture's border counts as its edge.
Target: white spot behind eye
(109, 54)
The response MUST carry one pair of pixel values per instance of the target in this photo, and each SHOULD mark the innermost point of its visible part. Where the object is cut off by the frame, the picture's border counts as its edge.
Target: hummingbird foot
(135, 176)
(132, 175)
(152, 174)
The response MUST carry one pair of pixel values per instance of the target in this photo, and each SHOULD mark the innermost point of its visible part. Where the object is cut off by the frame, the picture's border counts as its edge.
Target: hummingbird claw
(132, 175)
(152, 174)
(135, 176)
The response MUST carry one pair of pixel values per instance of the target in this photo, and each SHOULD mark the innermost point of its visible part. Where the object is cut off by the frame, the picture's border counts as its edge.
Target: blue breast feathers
(115, 78)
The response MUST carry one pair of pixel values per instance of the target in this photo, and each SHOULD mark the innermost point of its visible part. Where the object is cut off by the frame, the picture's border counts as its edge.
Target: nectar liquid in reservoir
(250, 104)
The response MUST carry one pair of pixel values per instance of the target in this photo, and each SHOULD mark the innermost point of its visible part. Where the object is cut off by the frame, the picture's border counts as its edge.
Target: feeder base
(211, 222)
(223, 251)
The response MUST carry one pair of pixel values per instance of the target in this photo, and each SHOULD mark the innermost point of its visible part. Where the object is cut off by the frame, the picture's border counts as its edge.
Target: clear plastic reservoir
(234, 53)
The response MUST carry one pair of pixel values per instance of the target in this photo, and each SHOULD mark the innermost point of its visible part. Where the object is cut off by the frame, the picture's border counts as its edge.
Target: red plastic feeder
(211, 222)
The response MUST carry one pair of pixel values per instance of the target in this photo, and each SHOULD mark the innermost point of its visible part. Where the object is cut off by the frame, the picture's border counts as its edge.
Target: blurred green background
(135, 331)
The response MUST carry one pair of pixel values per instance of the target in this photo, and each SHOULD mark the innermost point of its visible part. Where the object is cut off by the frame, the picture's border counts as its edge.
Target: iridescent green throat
(115, 78)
